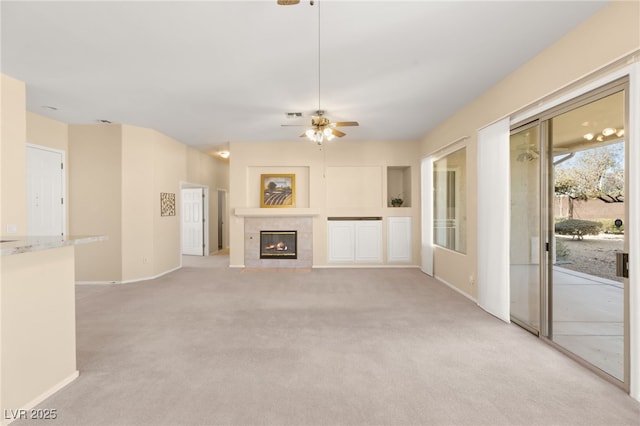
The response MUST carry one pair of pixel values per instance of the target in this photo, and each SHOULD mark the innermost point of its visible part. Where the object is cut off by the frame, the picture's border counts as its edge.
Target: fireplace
(278, 244)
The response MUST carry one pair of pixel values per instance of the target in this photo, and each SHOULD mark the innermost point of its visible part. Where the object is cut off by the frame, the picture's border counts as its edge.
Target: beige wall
(46, 132)
(13, 187)
(38, 339)
(53, 134)
(95, 199)
(346, 179)
(117, 173)
(601, 40)
(138, 202)
(170, 170)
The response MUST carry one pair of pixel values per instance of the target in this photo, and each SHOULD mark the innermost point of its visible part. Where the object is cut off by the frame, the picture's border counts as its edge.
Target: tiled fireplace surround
(302, 224)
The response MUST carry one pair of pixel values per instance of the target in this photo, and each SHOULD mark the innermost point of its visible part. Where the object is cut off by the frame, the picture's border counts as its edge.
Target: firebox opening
(278, 244)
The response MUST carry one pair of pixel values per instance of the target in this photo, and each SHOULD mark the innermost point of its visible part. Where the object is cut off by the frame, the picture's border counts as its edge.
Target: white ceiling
(210, 72)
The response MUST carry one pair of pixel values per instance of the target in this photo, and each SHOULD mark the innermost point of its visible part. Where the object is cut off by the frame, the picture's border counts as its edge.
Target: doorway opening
(223, 232)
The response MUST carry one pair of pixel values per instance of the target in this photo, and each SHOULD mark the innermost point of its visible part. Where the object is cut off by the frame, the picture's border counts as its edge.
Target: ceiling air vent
(293, 114)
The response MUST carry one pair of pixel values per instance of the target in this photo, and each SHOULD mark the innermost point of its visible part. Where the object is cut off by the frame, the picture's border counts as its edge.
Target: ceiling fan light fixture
(321, 127)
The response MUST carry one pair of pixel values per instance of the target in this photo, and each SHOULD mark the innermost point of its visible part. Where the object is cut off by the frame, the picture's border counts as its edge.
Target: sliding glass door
(569, 212)
(588, 191)
(525, 226)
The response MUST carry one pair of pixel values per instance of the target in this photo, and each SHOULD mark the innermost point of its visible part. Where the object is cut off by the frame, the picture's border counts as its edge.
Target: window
(449, 201)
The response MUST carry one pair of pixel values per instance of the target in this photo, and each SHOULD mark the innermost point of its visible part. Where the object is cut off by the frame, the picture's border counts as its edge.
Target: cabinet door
(341, 241)
(399, 239)
(369, 241)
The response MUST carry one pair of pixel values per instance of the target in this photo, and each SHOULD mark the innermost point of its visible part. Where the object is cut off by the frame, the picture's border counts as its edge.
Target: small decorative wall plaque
(167, 204)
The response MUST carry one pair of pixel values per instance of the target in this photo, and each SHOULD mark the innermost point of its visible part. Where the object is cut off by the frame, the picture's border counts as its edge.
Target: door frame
(632, 285)
(205, 214)
(224, 218)
(63, 191)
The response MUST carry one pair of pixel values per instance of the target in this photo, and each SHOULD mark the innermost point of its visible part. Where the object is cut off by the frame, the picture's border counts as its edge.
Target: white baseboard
(46, 394)
(456, 289)
(129, 281)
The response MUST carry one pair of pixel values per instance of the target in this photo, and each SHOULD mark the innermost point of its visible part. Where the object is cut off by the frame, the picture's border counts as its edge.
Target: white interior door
(193, 221)
(45, 183)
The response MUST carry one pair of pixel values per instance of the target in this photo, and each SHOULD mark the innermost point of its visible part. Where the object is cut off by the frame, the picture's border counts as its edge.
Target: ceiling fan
(322, 128)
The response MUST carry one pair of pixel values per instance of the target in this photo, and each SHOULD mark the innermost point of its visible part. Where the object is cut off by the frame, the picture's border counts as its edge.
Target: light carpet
(210, 345)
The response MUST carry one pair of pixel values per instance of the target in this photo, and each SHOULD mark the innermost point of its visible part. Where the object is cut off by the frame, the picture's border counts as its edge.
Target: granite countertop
(10, 245)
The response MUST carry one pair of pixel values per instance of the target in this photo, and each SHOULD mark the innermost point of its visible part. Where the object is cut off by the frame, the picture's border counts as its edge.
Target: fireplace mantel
(275, 212)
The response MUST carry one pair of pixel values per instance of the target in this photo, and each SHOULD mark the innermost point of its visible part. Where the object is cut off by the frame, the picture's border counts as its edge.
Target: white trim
(544, 106)
(456, 289)
(46, 394)
(447, 149)
(426, 237)
(64, 180)
(130, 281)
(631, 229)
(546, 102)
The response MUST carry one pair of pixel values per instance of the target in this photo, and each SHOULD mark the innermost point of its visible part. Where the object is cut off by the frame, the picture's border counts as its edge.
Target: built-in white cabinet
(342, 241)
(355, 240)
(399, 239)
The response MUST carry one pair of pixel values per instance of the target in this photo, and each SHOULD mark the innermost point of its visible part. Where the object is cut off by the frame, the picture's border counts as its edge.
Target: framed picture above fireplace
(278, 190)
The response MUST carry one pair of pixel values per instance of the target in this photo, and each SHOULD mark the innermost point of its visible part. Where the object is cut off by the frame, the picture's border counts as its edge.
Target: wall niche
(399, 185)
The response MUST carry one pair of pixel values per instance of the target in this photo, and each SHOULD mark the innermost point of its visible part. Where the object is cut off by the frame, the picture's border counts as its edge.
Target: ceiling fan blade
(304, 135)
(337, 133)
(346, 123)
(288, 2)
(293, 125)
